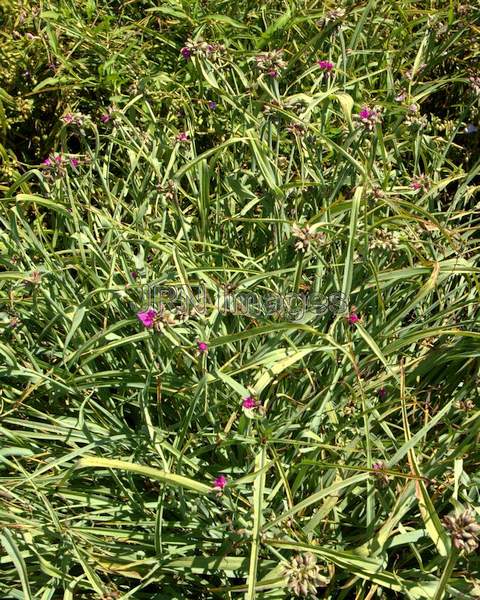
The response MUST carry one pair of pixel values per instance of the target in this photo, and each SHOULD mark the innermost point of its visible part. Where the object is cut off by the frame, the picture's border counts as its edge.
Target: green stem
(452, 559)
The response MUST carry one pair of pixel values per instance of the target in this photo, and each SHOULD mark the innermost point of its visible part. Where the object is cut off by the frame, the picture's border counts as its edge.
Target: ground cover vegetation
(290, 150)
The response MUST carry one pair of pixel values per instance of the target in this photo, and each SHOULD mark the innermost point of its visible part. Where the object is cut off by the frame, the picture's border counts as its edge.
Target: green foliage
(239, 165)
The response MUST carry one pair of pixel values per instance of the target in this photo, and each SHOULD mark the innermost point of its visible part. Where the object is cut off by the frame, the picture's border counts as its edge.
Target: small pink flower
(74, 162)
(364, 113)
(147, 317)
(202, 347)
(249, 402)
(58, 159)
(183, 137)
(273, 73)
(353, 318)
(47, 162)
(220, 482)
(419, 183)
(105, 118)
(370, 117)
(326, 65)
(68, 118)
(186, 52)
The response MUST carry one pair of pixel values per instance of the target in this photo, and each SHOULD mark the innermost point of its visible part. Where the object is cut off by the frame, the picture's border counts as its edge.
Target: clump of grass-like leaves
(308, 424)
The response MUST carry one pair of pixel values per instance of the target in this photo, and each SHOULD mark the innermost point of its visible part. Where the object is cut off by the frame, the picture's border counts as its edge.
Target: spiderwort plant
(147, 317)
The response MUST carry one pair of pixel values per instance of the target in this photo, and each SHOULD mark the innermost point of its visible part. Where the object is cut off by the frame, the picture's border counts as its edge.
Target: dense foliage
(239, 288)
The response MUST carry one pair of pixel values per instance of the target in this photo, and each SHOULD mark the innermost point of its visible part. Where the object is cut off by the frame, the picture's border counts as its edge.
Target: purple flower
(47, 162)
(202, 347)
(249, 402)
(326, 65)
(183, 137)
(74, 162)
(212, 105)
(364, 113)
(369, 117)
(147, 317)
(186, 52)
(382, 393)
(105, 118)
(133, 274)
(419, 183)
(220, 482)
(273, 73)
(353, 318)
(470, 128)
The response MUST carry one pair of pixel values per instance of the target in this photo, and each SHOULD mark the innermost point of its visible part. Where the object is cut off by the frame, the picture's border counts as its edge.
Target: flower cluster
(252, 408)
(56, 165)
(385, 240)
(220, 482)
(379, 472)
(475, 83)
(420, 182)
(304, 575)
(271, 63)
(353, 318)
(249, 402)
(465, 405)
(182, 138)
(326, 66)
(73, 118)
(414, 118)
(158, 319)
(306, 236)
(369, 117)
(202, 49)
(296, 129)
(333, 16)
(464, 530)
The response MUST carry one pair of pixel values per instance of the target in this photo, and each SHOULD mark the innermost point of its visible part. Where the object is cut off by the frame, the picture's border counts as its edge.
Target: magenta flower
(415, 185)
(220, 482)
(183, 137)
(202, 347)
(47, 162)
(105, 118)
(370, 117)
(326, 65)
(249, 402)
(382, 393)
(186, 52)
(353, 318)
(273, 73)
(58, 159)
(147, 317)
(74, 162)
